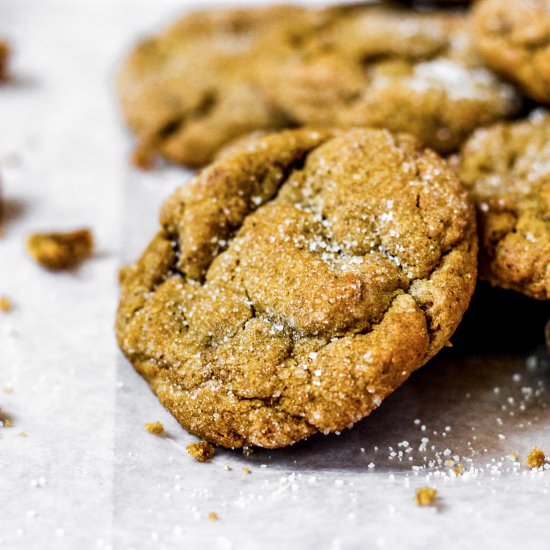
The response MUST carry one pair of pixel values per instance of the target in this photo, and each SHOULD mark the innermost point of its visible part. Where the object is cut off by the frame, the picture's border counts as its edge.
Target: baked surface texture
(297, 282)
(507, 169)
(514, 40)
(217, 75)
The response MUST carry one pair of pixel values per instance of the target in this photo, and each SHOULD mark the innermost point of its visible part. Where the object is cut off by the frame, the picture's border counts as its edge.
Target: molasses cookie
(514, 39)
(190, 89)
(216, 75)
(297, 282)
(507, 169)
(386, 67)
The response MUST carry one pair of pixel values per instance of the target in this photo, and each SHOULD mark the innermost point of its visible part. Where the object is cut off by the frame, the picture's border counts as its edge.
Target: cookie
(190, 89)
(387, 67)
(5, 53)
(507, 169)
(297, 282)
(514, 40)
(217, 75)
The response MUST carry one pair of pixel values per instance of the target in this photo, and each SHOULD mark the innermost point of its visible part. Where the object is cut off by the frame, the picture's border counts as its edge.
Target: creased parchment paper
(77, 468)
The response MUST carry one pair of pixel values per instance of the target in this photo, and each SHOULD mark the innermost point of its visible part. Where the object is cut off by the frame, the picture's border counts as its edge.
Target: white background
(89, 476)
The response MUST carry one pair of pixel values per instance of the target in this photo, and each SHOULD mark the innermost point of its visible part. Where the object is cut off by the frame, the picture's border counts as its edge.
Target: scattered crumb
(5, 304)
(154, 428)
(7, 423)
(458, 469)
(22, 434)
(536, 458)
(8, 390)
(5, 52)
(425, 496)
(513, 456)
(143, 157)
(247, 470)
(61, 250)
(201, 451)
(213, 516)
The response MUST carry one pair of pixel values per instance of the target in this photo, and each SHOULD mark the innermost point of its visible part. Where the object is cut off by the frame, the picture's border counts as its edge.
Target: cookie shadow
(20, 83)
(478, 400)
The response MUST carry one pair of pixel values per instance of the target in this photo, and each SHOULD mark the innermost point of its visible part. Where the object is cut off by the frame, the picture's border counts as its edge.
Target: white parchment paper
(87, 475)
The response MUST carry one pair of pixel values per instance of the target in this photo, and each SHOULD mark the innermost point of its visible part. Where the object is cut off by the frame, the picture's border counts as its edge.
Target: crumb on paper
(5, 304)
(5, 53)
(536, 458)
(143, 157)
(60, 250)
(247, 470)
(513, 456)
(425, 496)
(458, 469)
(154, 427)
(201, 451)
(22, 434)
(7, 423)
(213, 516)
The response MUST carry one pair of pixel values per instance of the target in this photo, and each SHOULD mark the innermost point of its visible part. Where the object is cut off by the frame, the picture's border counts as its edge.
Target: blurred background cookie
(507, 169)
(514, 40)
(216, 75)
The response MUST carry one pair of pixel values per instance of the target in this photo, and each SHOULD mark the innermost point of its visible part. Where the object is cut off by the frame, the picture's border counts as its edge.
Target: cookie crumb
(458, 469)
(201, 451)
(7, 423)
(247, 470)
(22, 434)
(425, 496)
(213, 516)
(60, 250)
(536, 458)
(5, 53)
(5, 304)
(154, 427)
(143, 157)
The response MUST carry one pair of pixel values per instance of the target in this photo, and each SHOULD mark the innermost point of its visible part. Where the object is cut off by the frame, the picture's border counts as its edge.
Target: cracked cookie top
(217, 75)
(514, 40)
(298, 281)
(507, 168)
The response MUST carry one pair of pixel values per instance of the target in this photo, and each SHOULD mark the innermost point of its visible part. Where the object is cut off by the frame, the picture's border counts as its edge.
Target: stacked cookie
(305, 274)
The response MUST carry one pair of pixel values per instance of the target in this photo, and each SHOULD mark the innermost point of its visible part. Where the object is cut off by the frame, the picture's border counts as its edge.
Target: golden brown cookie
(297, 282)
(5, 53)
(514, 39)
(386, 67)
(216, 75)
(190, 89)
(507, 169)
